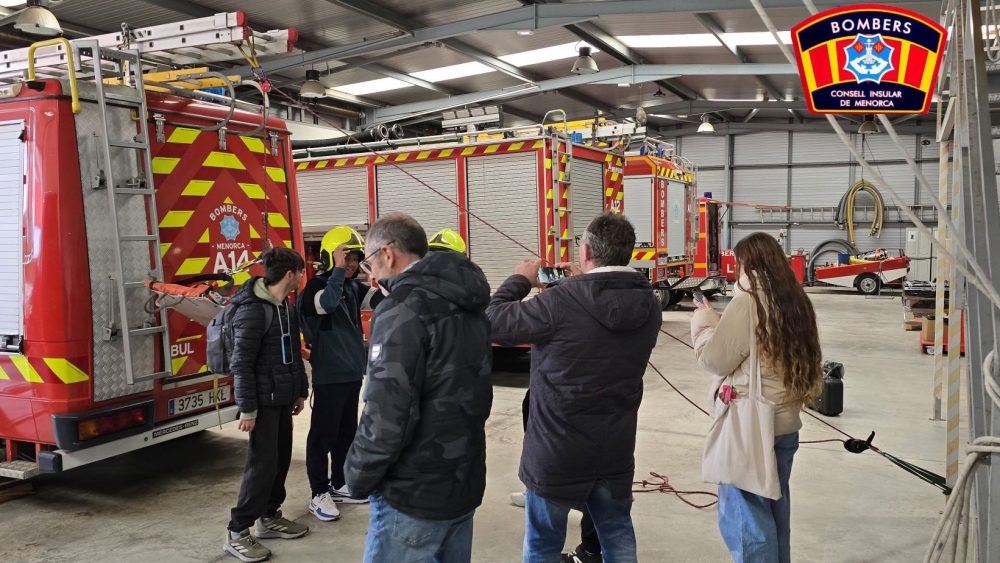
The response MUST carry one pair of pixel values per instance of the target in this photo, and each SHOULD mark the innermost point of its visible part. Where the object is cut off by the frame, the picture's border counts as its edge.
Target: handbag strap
(755, 386)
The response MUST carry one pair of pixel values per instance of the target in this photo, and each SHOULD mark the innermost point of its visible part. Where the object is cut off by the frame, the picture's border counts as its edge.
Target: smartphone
(550, 275)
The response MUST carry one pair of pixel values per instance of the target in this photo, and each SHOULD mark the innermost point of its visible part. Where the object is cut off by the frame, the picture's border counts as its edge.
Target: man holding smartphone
(591, 335)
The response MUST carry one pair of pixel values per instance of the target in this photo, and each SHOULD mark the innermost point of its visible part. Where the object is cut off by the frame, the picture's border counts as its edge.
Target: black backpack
(221, 337)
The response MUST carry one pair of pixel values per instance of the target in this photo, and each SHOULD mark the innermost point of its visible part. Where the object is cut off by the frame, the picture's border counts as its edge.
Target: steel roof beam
(537, 16)
(712, 25)
(635, 74)
(390, 18)
(820, 126)
(521, 74)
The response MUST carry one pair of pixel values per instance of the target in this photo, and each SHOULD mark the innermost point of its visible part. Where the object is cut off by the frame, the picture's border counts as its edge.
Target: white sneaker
(344, 496)
(323, 508)
(518, 499)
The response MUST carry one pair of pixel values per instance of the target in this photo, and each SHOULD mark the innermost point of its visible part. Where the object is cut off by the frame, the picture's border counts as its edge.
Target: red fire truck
(510, 198)
(103, 187)
(677, 233)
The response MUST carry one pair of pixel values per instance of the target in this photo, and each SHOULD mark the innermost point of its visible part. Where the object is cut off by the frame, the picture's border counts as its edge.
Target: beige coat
(722, 346)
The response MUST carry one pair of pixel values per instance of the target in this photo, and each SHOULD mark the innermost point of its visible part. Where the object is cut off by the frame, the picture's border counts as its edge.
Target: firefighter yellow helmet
(447, 239)
(335, 237)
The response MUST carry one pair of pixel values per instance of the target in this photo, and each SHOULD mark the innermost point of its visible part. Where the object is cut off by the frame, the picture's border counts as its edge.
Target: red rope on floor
(661, 484)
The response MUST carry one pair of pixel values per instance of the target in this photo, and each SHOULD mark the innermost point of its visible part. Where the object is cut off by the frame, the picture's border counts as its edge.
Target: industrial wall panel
(759, 185)
(704, 150)
(933, 175)
(806, 237)
(819, 186)
(638, 207)
(11, 199)
(713, 181)
(809, 147)
(742, 231)
(586, 195)
(900, 177)
(503, 190)
(327, 198)
(880, 147)
(402, 189)
(761, 148)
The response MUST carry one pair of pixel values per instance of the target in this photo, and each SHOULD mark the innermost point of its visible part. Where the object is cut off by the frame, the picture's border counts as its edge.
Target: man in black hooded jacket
(420, 449)
(591, 335)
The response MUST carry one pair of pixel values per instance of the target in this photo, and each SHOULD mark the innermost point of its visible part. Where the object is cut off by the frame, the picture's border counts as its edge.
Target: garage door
(328, 198)
(11, 197)
(586, 195)
(503, 191)
(401, 188)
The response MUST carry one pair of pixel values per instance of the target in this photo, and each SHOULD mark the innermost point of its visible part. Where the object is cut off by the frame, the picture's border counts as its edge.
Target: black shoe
(581, 555)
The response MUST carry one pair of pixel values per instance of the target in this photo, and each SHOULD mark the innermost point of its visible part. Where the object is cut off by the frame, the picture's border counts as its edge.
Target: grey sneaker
(278, 526)
(245, 547)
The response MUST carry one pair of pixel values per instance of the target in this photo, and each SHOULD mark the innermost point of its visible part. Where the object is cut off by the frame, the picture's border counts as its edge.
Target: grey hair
(611, 238)
(400, 229)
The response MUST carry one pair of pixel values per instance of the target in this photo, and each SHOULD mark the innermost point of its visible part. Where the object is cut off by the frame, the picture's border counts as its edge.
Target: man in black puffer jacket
(420, 450)
(591, 335)
(271, 387)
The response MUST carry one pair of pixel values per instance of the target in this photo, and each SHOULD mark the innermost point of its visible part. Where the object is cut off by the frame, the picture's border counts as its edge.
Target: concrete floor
(171, 502)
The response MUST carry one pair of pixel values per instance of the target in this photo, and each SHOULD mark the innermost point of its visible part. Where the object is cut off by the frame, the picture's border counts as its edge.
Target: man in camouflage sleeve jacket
(420, 449)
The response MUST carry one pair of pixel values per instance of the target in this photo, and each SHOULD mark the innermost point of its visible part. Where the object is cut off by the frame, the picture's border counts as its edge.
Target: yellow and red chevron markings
(644, 254)
(420, 155)
(19, 368)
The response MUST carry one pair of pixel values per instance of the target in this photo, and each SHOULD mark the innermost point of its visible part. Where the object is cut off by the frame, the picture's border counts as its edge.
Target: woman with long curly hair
(769, 301)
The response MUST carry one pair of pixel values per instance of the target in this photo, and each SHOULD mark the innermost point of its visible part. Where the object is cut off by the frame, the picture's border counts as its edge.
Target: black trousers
(588, 533)
(268, 456)
(331, 431)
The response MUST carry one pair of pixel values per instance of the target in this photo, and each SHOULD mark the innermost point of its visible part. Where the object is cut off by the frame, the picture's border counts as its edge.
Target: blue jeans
(545, 527)
(394, 537)
(757, 529)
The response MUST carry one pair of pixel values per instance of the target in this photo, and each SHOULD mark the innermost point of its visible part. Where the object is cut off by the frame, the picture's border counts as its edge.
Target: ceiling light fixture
(36, 19)
(868, 126)
(658, 93)
(312, 87)
(706, 125)
(585, 64)
(526, 32)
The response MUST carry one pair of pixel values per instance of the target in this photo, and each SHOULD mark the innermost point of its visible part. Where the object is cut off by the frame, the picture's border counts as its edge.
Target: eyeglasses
(578, 239)
(366, 264)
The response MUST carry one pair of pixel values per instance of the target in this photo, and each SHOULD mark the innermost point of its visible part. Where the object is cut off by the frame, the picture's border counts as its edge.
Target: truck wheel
(868, 284)
(663, 296)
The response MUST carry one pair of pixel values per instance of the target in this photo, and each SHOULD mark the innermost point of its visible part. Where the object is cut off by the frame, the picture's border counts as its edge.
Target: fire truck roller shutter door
(11, 204)
(676, 204)
(586, 195)
(638, 207)
(332, 197)
(503, 190)
(397, 190)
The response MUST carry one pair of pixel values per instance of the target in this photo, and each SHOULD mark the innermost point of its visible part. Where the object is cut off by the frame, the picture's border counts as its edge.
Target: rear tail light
(103, 425)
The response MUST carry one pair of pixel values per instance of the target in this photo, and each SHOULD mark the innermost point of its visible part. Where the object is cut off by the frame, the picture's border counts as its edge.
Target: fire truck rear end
(103, 187)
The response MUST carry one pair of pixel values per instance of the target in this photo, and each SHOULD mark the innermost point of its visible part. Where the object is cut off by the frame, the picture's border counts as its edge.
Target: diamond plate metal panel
(109, 361)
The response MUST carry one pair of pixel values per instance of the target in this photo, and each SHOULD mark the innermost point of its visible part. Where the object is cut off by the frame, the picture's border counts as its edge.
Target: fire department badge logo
(230, 227)
(869, 58)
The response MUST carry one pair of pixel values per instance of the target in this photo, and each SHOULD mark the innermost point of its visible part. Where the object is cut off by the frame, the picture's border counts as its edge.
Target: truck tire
(868, 284)
(662, 296)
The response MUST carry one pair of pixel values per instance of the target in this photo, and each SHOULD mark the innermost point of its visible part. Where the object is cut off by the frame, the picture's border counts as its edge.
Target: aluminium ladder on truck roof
(195, 42)
(116, 64)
